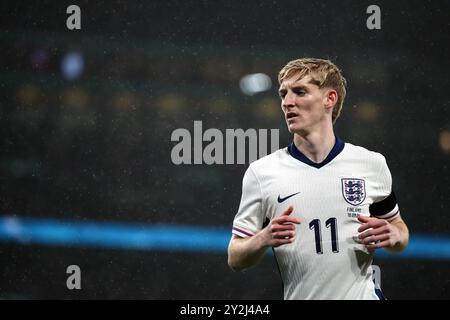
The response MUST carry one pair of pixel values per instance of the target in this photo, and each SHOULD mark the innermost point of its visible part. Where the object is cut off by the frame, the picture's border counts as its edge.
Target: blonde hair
(324, 74)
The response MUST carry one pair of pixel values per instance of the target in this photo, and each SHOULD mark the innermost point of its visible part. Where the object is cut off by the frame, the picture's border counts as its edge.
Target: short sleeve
(250, 217)
(385, 204)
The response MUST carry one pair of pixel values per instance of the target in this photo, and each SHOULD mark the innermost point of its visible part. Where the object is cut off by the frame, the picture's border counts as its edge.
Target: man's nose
(289, 100)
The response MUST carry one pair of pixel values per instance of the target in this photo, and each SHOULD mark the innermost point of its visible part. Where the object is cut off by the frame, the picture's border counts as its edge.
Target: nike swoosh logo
(280, 200)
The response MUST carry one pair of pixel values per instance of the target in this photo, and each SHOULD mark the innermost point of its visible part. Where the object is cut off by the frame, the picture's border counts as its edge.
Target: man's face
(303, 104)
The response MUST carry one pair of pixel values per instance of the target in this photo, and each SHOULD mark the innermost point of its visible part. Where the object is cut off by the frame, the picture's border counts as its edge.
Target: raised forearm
(244, 253)
(404, 236)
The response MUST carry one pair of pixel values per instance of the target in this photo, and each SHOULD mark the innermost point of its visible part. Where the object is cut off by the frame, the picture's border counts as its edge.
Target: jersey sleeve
(250, 217)
(385, 205)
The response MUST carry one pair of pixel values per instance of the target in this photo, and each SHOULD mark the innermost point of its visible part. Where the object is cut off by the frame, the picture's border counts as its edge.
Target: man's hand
(280, 230)
(380, 233)
(244, 253)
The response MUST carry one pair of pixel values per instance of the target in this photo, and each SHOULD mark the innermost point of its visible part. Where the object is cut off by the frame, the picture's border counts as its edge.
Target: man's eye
(300, 92)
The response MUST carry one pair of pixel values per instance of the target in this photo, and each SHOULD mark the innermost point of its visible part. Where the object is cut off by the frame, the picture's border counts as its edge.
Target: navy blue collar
(337, 148)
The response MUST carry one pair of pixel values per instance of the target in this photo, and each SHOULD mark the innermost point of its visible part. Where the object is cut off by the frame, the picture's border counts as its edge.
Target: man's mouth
(291, 115)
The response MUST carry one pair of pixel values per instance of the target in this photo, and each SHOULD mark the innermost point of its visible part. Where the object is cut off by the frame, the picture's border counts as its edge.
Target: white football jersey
(325, 261)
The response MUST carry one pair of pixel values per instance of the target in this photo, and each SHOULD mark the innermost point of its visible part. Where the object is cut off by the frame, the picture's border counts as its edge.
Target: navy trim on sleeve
(384, 206)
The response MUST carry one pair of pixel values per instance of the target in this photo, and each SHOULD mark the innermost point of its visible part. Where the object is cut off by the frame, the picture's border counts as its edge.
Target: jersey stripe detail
(380, 294)
(241, 233)
(391, 215)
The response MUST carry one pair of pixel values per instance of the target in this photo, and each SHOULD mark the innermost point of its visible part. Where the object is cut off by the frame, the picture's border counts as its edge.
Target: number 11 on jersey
(330, 223)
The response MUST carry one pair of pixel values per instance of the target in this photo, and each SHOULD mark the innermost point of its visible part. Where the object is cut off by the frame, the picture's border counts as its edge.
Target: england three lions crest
(353, 190)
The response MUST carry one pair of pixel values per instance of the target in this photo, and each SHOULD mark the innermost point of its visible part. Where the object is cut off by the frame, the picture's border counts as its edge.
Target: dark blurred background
(86, 118)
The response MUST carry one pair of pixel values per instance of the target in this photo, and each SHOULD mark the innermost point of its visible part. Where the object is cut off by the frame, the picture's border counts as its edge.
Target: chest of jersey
(327, 201)
(319, 192)
(326, 259)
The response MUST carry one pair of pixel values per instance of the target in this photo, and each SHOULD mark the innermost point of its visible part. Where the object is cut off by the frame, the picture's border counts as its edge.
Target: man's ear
(331, 98)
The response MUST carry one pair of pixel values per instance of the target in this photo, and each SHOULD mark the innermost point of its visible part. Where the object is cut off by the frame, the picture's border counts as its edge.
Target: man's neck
(316, 145)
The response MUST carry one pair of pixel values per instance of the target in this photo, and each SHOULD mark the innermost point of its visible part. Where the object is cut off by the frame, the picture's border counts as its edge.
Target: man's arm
(403, 235)
(244, 253)
(376, 233)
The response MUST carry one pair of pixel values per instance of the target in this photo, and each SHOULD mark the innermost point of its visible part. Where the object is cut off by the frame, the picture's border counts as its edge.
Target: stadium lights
(254, 83)
(72, 65)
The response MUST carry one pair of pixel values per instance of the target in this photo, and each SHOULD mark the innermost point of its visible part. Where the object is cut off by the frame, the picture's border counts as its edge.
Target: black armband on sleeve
(386, 208)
